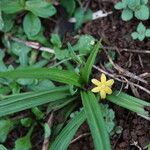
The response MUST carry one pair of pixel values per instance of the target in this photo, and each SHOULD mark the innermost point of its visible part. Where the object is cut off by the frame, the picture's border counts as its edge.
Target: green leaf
(69, 6)
(63, 76)
(82, 16)
(148, 146)
(15, 103)
(88, 66)
(61, 103)
(38, 113)
(95, 121)
(12, 6)
(40, 8)
(127, 14)
(73, 55)
(55, 40)
(141, 28)
(142, 13)
(2, 64)
(2, 147)
(5, 127)
(26, 122)
(61, 54)
(42, 85)
(147, 33)
(1, 21)
(8, 21)
(21, 51)
(129, 102)
(47, 131)
(84, 44)
(24, 143)
(120, 5)
(141, 37)
(134, 4)
(63, 140)
(109, 116)
(31, 25)
(134, 35)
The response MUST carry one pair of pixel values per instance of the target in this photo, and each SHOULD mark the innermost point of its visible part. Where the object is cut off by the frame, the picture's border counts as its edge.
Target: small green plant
(131, 8)
(31, 22)
(75, 89)
(141, 32)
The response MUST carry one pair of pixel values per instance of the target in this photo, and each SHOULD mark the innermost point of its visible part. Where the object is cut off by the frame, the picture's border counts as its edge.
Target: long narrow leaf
(54, 74)
(12, 104)
(129, 102)
(63, 140)
(88, 66)
(95, 121)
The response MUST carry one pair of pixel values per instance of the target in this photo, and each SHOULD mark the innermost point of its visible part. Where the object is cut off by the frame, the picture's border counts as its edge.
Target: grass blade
(129, 102)
(63, 76)
(63, 140)
(95, 121)
(88, 66)
(15, 103)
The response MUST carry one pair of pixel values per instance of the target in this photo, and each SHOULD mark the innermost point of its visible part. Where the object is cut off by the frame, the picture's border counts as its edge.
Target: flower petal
(96, 82)
(103, 78)
(103, 94)
(110, 82)
(108, 90)
(95, 90)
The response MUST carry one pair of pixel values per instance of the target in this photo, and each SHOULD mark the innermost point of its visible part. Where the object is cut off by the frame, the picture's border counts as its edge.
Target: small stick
(123, 71)
(127, 50)
(34, 45)
(79, 137)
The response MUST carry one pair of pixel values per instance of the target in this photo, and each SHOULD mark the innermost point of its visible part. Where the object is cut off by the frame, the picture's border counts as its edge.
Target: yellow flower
(103, 86)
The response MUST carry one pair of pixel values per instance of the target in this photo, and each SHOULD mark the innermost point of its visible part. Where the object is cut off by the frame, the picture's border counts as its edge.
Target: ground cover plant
(44, 75)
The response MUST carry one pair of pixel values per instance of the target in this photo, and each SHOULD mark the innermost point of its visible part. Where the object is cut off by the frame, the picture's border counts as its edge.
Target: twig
(123, 71)
(34, 45)
(136, 145)
(46, 140)
(140, 60)
(127, 50)
(79, 137)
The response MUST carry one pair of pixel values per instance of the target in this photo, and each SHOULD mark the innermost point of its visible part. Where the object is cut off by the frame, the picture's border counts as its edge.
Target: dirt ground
(115, 33)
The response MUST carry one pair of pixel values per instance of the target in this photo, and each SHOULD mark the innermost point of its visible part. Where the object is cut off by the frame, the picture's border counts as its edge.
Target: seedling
(131, 8)
(141, 32)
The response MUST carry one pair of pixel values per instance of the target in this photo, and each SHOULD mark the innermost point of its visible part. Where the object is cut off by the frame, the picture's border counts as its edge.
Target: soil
(115, 33)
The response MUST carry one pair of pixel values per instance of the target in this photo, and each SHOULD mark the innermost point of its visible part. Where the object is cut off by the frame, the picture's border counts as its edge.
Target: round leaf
(31, 24)
(134, 35)
(141, 37)
(134, 4)
(127, 14)
(12, 6)
(69, 6)
(40, 8)
(147, 34)
(141, 28)
(142, 13)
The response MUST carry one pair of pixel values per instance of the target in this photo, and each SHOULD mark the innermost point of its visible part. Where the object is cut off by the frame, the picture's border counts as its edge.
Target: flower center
(102, 87)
